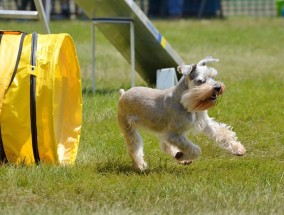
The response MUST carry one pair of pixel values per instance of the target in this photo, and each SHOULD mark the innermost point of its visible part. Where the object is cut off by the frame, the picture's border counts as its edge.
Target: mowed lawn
(102, 181)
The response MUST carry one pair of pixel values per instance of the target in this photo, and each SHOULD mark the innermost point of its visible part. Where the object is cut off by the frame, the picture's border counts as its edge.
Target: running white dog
(172, 112)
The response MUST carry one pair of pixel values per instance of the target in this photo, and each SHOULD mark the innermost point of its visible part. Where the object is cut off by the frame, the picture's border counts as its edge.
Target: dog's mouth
(213, 97)
(215, 94)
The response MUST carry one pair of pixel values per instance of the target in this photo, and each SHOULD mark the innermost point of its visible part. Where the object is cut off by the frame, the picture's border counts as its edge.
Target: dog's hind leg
(168, 149)
(174, 152)
(186, 151)
(134, 143)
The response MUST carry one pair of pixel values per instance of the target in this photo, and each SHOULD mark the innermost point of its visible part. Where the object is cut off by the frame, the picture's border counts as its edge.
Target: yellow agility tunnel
(40, 98)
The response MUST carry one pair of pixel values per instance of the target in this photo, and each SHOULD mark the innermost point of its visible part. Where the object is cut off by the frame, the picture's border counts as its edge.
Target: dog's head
(203, 90)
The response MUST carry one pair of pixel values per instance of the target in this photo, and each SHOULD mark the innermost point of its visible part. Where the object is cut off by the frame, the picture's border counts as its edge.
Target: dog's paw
(141, 166)
(179, 156)
(193, 153)
(186, 158)
(185, 162)
(237, 148)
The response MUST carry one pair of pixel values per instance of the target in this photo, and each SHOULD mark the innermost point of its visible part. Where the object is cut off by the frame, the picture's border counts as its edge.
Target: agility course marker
(166, 78)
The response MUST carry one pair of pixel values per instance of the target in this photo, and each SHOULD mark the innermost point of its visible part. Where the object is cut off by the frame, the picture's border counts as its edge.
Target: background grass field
(251, 53)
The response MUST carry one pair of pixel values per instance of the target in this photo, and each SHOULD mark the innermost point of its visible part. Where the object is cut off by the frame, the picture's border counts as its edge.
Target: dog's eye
(200, 81)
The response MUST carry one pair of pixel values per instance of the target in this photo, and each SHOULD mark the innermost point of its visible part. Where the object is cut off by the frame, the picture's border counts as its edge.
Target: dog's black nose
(217, 88)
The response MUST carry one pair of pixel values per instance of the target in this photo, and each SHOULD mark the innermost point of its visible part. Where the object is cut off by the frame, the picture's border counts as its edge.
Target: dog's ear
(185, 69)
(208, 59)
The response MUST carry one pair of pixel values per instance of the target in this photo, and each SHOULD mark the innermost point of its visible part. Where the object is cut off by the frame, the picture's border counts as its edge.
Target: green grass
(103, 182)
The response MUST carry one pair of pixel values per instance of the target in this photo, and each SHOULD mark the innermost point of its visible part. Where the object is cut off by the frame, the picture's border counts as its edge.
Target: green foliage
(103, 181)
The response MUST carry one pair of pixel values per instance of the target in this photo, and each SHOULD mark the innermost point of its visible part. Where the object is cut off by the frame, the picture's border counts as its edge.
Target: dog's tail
(121, 92)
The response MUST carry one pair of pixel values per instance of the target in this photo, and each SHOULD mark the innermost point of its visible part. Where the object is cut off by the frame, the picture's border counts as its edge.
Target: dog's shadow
(127, 169)
(114, 168)
(88, 91)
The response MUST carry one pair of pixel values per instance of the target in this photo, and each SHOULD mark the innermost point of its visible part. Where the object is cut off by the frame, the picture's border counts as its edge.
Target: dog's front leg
(186, 152)
(223, 135)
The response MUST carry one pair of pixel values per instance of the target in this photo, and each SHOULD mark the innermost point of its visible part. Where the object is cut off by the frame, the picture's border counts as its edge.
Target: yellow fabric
(7, 62)
(58, 101)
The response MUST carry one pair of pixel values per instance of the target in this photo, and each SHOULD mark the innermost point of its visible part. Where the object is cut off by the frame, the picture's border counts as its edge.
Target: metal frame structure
(21, 14)
(117, 20)
(149, 51)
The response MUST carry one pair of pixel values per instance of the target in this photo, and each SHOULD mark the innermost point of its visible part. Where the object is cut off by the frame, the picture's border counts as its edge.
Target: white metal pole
(132, 53)
(47, 9)
(93, 57)
(41, 15)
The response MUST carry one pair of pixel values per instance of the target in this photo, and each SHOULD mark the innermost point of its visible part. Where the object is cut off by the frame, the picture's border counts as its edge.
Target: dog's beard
(200, 98)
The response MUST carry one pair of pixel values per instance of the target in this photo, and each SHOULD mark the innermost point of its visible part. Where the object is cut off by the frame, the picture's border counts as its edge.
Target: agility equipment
(150, 51)
(40, 98)
(39, 14)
